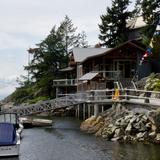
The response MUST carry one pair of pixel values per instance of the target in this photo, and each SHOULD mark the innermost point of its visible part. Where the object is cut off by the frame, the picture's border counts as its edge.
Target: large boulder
(157, 138)
(92, 124)
(154, 115)
(85, 125)
(130, 126)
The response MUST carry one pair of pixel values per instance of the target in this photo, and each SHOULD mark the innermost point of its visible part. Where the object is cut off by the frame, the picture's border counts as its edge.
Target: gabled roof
(136, 22)
(133, 43)
(80, 54)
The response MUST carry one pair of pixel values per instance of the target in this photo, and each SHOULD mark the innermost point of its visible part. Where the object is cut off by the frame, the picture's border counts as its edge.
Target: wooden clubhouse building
(98, 68)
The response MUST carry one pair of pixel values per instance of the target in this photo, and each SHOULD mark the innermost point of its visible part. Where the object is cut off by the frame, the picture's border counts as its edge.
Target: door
(119, 69)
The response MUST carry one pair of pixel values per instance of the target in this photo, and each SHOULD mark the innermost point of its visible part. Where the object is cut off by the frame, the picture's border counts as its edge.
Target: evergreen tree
(150, 11)
(137, 9)
(50, 55)
(81, 40)
(70, 38)
(47, 59)
(113, 29)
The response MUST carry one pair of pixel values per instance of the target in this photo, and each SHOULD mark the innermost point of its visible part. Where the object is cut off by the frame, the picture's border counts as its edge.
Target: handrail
(118, 86)
(111, 90)
(62, 82)
(145, 91)
(124, 94)
(107, 96)
(134, 85)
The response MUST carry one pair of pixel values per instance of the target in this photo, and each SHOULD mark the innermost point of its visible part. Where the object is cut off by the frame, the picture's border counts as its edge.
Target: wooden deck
(128, 96)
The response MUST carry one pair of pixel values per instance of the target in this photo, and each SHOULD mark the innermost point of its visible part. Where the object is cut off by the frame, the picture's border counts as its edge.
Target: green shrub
(153, 83)
(37, 99)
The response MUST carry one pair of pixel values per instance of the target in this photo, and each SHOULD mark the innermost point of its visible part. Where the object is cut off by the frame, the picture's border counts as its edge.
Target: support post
(57, 92)
(146, 100)
(114, 106)
(96, 111)
(126, 95)
(89, 110)
(84, 111)
(102, 108)
(78, 111)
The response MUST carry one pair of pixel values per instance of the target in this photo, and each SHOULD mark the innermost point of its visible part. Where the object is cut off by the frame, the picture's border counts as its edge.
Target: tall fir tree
(52, 54)
(47, 58)
(137, 9)
(70, 37)
(150, 9)
(150, 13)
(113, 30)
(81, 41)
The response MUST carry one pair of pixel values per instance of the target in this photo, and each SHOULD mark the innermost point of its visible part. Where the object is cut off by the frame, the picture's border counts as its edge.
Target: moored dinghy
(29, 122)
(10, 131)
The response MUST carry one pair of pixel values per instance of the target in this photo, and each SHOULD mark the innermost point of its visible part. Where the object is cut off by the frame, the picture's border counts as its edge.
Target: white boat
(10, 131)
(29, 122)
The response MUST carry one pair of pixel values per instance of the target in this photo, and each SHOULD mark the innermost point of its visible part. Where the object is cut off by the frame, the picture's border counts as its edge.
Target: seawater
(64, 141)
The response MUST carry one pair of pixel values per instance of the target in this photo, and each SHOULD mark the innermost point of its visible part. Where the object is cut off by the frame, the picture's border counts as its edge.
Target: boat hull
(12, 150)
(10, 129)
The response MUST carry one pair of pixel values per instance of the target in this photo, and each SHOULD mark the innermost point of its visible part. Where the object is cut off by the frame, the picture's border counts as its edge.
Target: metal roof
(89, 76)
(136, 22)
(134, 43)
(80, 54)
(66, 69)
(158, 27)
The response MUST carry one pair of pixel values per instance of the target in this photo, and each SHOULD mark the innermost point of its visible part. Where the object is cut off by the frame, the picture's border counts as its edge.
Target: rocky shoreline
(121, 124)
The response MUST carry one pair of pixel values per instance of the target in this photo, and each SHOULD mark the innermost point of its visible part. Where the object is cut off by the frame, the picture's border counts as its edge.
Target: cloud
(38, 17)
(7, 86)
(9, 41)
(24, 23)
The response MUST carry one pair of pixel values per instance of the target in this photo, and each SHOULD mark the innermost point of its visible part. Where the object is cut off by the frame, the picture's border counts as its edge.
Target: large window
(125, 68)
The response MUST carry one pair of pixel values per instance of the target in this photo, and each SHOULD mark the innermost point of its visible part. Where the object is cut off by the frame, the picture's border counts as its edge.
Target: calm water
(64, 141)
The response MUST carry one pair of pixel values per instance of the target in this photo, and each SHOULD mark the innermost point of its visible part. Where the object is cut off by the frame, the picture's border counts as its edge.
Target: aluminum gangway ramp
(45, 106)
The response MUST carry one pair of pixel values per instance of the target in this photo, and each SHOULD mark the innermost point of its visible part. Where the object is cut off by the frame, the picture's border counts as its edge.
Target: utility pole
(30, 51)
(28, 65)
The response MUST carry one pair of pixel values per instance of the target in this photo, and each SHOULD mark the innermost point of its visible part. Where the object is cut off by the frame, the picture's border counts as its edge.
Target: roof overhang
(130, 42)
(66, 69)
(88, 76)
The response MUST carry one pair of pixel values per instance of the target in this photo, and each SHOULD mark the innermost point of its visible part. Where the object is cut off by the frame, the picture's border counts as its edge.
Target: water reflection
(54, 132)
(9, 158)
(65, 142)
(136, 151)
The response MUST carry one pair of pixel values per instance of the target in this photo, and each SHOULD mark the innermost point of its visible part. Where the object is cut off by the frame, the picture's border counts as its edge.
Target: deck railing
(65, 82)
(139, 97)
(127, 95)
(124, 95)
(111, 74)
(73, 82)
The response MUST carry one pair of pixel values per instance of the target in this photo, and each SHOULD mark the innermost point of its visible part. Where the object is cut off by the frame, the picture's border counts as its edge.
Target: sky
(24, 23)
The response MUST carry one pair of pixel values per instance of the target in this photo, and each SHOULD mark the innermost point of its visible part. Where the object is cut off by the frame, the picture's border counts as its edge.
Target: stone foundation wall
(121, 124)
